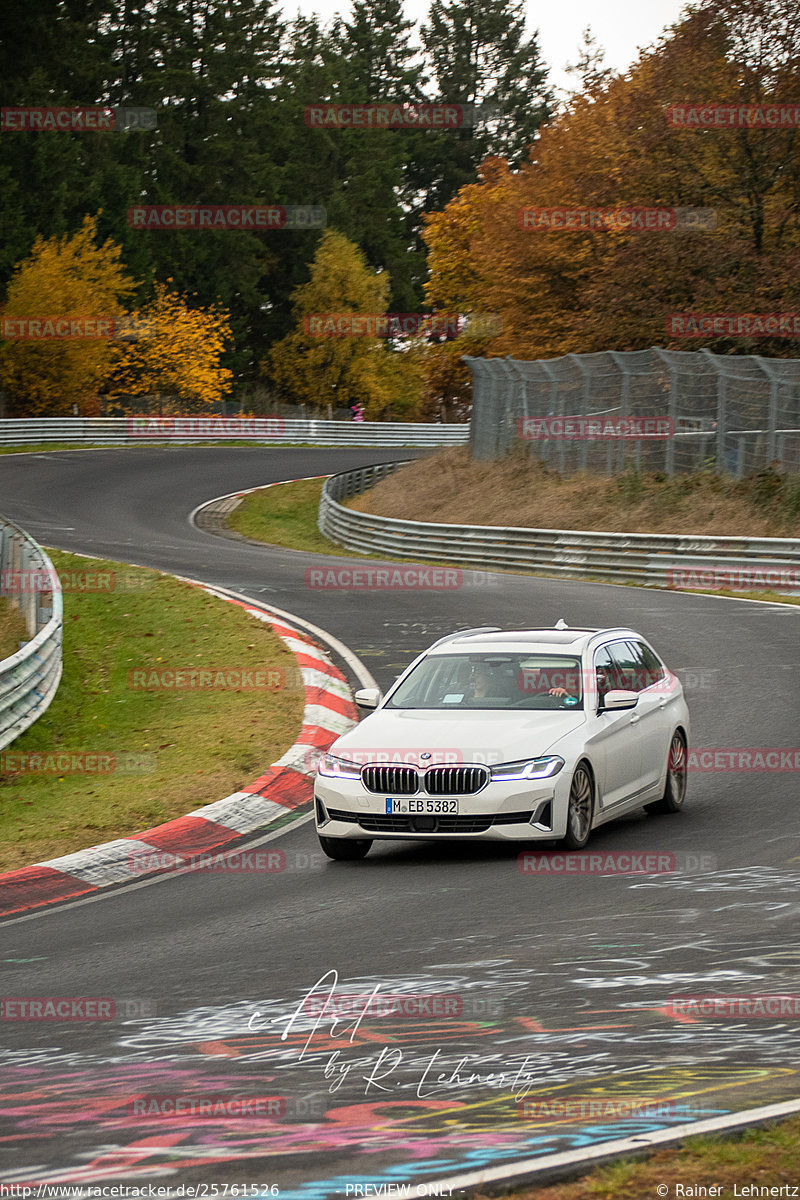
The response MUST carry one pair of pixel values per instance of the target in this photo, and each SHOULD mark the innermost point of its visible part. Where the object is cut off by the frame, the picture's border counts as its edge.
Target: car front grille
(391, 781)
(436, 781)
(455, 781)
(442, 824)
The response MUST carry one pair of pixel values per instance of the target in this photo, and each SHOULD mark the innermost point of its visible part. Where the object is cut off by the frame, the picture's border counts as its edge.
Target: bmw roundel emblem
(425, 755)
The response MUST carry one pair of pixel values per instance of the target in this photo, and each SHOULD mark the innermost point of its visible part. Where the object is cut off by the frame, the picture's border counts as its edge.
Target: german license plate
(427, 808)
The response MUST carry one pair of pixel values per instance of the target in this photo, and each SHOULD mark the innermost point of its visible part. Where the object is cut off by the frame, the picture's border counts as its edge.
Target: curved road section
(481, 1011)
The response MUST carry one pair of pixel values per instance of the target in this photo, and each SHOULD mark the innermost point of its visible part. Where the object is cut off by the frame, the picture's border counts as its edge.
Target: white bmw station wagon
(525, 735)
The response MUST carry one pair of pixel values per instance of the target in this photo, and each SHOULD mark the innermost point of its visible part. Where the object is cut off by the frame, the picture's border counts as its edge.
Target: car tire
(675, 785)
(580, 809)
(344, 849)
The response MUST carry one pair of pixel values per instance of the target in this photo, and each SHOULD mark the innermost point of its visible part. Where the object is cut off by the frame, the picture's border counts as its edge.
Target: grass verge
(285, 515)
(12, 629)
(761, 1157)
(165, 751)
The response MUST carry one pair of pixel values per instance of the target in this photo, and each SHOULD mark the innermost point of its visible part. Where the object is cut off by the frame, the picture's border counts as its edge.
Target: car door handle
(663, 702)
(635, 718)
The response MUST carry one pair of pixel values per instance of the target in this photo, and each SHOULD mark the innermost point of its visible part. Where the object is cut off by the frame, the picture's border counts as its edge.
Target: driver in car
(534, 679)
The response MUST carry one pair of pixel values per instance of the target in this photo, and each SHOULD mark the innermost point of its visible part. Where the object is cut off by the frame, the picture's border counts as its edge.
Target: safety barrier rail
(29, 678)
(662, 560)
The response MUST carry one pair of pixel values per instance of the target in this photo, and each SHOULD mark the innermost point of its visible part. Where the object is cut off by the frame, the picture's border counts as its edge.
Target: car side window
(632, 672)
(653, 665)
(606, 672)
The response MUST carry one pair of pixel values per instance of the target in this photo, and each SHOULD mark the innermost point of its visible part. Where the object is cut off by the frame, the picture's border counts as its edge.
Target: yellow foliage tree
(344, 371)
(172, 352)
(70, 277)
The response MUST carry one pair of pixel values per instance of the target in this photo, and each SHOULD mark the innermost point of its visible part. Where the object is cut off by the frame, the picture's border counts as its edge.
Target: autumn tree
(343, 371)
(64, 277)
(172, 352)
(596, 289)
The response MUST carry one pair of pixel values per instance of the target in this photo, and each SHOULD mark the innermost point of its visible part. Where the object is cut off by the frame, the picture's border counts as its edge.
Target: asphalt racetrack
(559, 1033)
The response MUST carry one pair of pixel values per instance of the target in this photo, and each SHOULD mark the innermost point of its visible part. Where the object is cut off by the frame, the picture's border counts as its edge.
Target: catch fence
(655, 410)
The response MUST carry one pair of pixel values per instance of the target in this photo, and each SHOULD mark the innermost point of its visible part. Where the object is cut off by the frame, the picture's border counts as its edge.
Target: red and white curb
(329, 712)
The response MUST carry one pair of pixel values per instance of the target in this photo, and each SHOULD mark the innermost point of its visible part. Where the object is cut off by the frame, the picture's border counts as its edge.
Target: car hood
(472, 736)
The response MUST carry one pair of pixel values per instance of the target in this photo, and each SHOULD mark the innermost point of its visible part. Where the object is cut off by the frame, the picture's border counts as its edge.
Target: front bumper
(506, 812)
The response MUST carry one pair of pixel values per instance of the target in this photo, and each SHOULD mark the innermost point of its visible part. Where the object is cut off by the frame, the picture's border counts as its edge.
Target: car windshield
(492, 681)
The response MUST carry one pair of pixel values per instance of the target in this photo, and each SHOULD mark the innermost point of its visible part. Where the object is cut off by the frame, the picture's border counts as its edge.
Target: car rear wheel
(344, 849)
(675, 786)
(580, 810)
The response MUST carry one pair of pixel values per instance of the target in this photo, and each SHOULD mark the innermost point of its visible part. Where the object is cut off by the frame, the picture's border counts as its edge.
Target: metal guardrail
(663, 560)
(269, 430)
(29, 679)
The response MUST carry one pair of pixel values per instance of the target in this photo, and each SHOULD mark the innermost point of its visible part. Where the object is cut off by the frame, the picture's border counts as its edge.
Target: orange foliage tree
(583, 290)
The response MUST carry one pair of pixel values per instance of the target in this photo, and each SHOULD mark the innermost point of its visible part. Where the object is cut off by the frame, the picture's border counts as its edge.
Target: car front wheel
(675, 786)
(580, 810)
(344, 849)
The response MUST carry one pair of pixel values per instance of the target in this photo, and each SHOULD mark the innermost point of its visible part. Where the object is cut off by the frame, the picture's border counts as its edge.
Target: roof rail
(466, 633)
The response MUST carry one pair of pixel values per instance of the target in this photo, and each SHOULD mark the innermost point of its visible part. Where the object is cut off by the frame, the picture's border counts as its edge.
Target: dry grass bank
(449, 487)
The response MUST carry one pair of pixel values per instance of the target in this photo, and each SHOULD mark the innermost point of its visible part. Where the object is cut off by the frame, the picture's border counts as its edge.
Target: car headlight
(528, 768)
(338, 768)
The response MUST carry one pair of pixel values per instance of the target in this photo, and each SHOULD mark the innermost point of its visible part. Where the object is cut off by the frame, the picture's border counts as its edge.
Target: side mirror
(368, 697)
(619, 698)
